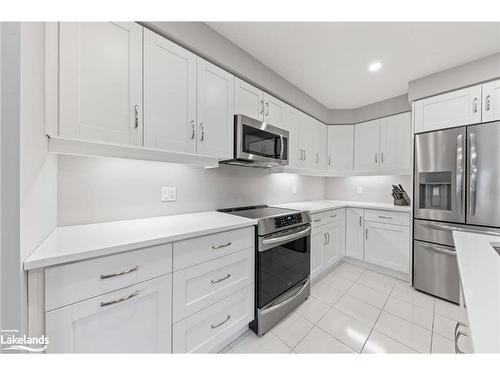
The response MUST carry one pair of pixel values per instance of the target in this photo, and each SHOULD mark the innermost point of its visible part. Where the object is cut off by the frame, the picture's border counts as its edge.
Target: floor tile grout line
(433, 318)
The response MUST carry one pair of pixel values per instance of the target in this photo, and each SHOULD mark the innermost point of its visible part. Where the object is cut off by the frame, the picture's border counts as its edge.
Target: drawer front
(202, 249)
(74, 282)
(204, 331)
(326, 217)
(199, 286)
(388, 217)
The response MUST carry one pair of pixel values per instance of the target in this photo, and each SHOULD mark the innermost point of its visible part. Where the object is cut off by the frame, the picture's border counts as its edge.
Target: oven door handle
(286, 238)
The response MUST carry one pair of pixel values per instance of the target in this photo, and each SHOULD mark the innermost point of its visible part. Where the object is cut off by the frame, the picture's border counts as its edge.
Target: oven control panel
(284, 221)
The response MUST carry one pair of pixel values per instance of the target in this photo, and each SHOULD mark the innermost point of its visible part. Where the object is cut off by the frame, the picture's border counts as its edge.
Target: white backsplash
(94, 190)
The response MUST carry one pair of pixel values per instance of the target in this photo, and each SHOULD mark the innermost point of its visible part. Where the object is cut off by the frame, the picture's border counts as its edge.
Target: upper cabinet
(169, 95)
(384, 145)
(340, 148)
(100, 81)
(491, 101)
(293, 118)
(274, 111)
(312, 143)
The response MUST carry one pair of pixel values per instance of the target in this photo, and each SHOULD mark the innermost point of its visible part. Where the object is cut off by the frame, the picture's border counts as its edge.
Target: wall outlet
(168, 194)
(294, 190)
(359, 190)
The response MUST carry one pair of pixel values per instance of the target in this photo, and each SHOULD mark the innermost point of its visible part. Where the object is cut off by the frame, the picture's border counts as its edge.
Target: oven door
(283, 261)
(258, 141)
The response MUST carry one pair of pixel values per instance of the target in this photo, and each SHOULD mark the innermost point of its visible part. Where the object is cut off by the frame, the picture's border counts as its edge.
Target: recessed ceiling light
(373, 67)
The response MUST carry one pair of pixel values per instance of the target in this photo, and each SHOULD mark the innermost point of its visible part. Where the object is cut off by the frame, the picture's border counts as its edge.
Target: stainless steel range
(282, 262)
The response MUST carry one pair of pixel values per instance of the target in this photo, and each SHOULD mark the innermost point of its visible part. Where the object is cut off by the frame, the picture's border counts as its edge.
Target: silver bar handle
(317, 158)
(121, 273)
(136, 114)
(366, 233)
(282, 148)
(382, 157)
(316, 220)
(438, 249)
(328, 233)
(333, 216)
(458, 229)
(457, 336)
(474, 105)
(123, 299)
(222, 279)
(360, 221)
(385, 217)
(376, 158)
(287, 237)
(215, 247)
(329, 160)
(261, 107)
(221, 323)
(305, 154)
(202, 131)
(473, 173)
(267, 108)
(460, 169)
(192, 129)
(488, 102)
(325, 239)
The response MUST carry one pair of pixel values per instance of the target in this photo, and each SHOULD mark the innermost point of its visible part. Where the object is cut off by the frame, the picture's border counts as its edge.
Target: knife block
(405, 201)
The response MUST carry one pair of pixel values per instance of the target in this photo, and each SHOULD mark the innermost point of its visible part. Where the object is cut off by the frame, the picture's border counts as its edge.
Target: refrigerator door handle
(460, 170)
(473, 173)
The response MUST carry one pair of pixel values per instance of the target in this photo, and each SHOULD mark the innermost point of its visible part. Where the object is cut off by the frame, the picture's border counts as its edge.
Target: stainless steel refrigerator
(457, 187)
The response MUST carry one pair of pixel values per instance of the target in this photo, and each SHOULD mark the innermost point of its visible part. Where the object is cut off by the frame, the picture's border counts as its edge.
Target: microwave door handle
(282, 147)
(473, 173)
(460, 169)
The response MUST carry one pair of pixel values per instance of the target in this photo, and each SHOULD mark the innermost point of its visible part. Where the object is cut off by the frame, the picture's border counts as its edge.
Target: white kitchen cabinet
(355, 233)
(136, 319)
(367, 146)
(248, 100)
(456, 108)
(293, 118)
(334, 248)
(395, 143)
(318, 241)
(169, 95)
(100, 81)
(312, 143)
(215, 110)
(387, 245)
(274, 111)
(340, 148)
(491, 101)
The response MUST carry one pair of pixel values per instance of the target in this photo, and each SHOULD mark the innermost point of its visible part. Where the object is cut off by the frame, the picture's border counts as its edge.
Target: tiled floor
(355, 310)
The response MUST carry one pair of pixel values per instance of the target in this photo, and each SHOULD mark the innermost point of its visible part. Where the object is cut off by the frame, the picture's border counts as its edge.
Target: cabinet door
(395, 143)
(306, 142)
(354, 233)
(335, 241)
(387, 245)
(318, 242)
(137, 319)
(367, 142)
(456, 108)
(319, 145)
(292, 124)
(215, 110)
(274, 111)
(169, 95)
(491, 101)
(100, 81)
(340, 148)
(248, 100)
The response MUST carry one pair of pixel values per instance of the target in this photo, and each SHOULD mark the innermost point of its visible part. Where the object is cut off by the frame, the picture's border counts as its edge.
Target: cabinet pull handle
(366, 233)
(457, 336)
(360, 221)
(219, 280)
(317, 158)
(376, 158)
(328, 234)
(221, 323)
(329, 160)
(111, 275)
(305, 155)
(488, 102)
(192, 129)
(325, 241)
(474, 106)
(202, 131)
(382, 157)
(385, 217)
(136, 114)
(123, 299)
(316, 220)
(332, 216)
(221, 246)
(267, 108)
(261, 107)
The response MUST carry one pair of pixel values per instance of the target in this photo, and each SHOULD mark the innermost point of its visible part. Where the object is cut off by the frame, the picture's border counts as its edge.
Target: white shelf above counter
(327, 205)
(479, 267)
(80, 242)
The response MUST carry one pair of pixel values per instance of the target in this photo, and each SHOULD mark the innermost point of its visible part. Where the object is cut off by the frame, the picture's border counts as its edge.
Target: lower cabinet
(136, 319)
(355, 233)
(387, 245)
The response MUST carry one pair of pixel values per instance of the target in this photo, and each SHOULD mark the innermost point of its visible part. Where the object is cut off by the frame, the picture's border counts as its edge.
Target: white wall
(99, 189)
(375, 188)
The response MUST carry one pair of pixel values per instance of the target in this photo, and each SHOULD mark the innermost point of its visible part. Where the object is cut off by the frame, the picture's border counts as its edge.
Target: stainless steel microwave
(258, 144)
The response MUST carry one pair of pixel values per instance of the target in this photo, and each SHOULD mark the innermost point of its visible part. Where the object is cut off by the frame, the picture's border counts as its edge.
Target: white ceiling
(329, 60)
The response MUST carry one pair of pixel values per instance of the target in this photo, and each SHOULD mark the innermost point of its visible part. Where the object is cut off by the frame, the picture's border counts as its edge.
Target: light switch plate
(359, 190)
(168, 194)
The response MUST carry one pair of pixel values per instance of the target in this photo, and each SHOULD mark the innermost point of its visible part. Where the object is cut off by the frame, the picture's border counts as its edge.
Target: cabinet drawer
(204, 331)
(136, 319)
(326, 217)
(73, 282)
(389, 217)
(199, 286)
(202, 249)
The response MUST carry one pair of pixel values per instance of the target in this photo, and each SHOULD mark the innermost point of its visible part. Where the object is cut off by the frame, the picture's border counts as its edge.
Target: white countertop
(325, 205)
(79, 242)
(479, 267)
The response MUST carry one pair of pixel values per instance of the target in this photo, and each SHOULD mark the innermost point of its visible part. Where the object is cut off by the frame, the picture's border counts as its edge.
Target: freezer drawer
(436, 270)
